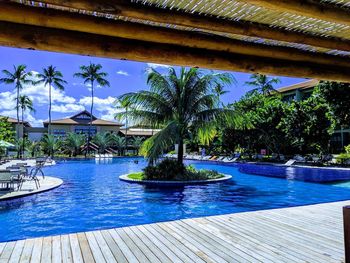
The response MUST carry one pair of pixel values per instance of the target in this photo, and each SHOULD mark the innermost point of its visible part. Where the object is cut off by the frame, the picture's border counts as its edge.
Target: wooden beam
(308, 8)
(132, 10)
(58, 40)
(17, 13)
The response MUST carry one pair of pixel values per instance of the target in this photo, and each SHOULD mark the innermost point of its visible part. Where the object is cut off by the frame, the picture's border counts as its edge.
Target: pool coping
(125, 178)
(56, 182)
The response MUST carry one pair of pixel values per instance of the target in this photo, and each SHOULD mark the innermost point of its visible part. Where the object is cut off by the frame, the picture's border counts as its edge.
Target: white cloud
(66, 108)
(122, 72)
(155, 65)
(103, 108)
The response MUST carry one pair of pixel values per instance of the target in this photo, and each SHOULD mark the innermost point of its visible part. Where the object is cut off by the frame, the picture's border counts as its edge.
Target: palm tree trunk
(49, 129)
(22, 154)
(92, 106)
(17, 108)
(126, 130)
(180, 152)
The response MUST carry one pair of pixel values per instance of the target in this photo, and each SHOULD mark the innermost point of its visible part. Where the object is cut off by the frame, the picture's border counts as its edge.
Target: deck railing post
(346, 222)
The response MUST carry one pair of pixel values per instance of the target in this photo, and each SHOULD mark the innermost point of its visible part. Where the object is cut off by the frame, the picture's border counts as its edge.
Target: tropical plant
(51, 78)
(92, 74)
(337, 96)
(263, 84)
(24, 103)
(118, 142)
(34, 148)
(21, 145)
(137, 143)
(6, 131)
(50, 144)
(177, 103)
(19, 77)
(102, 140)
(73, 143)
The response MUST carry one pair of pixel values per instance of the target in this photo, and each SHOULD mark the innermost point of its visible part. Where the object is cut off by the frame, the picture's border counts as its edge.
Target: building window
(59, 132)
(85, 130)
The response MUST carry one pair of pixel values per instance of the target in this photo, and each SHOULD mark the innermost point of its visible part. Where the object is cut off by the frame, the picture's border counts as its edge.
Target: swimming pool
(92, 197)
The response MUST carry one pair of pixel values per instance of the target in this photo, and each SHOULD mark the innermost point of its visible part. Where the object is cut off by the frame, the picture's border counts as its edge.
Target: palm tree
(50, 144)
(33, 148)
(263, 84)
(21, 145)
(118, 142)
(24, 103)
(102, 140)
(19, 77)
(51, 78)
(178, 104)
(136, 143)
(73, 143)
(91, 74)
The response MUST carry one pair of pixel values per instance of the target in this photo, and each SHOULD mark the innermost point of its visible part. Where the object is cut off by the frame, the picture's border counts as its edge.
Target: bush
(347, 149)
(343, 158)
(170, 170)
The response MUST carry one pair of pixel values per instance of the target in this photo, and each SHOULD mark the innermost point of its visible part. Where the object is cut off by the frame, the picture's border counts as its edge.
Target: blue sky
(124, 76)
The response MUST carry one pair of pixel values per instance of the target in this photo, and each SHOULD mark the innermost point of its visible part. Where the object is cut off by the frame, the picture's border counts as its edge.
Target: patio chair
(10, 179)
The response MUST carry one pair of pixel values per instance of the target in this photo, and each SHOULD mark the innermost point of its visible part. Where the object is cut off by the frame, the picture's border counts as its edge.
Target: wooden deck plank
(95, 249)
(46, 256)
(17, 251)
(56, 249)
(36, 252)
(298, 234)
(75, 248)
(27, 251)
(85, 248)
(7, 251)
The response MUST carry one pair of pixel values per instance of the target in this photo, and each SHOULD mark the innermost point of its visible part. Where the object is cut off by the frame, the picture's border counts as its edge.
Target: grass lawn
(136, 176)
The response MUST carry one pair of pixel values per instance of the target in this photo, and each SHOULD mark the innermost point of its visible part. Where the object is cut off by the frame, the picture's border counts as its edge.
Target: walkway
(300, 234)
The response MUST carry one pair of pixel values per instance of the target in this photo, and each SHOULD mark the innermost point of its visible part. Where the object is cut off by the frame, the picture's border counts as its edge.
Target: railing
(346, 222)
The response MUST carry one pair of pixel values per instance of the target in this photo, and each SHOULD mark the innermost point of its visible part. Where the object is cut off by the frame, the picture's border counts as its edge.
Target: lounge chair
(206, 158)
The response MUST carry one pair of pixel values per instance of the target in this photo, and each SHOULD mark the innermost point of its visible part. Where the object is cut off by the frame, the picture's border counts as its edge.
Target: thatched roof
(268, 36)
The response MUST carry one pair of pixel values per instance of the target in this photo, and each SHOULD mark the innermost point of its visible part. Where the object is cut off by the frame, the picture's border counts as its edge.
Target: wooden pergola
(299, 38)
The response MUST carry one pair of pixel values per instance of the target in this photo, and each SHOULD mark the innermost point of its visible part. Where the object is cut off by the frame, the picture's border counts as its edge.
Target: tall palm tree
(51, 78)
(263, 84)
(19, 77)
(24, 103)
(177, 103)
(92, 74)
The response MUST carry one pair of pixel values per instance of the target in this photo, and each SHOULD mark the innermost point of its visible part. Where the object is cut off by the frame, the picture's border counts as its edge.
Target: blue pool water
(92, 197)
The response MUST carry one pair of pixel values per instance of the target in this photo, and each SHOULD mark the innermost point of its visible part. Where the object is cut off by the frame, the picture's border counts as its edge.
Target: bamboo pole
(308, 8)
(132, 10)
(58, 40)
(17, 13)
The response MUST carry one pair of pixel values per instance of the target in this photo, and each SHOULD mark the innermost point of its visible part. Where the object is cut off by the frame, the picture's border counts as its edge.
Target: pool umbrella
(5, 144)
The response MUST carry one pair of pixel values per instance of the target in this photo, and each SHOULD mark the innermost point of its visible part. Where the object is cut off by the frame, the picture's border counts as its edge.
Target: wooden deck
(300, 234)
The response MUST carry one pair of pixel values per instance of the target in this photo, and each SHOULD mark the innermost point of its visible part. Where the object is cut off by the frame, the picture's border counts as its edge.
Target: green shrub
(343, 158)
(347, 149)
(170, 170)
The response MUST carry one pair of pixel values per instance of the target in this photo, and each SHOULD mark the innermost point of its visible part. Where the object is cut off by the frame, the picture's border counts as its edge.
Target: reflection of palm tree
(179, 104)
(91, 74)
(263, 84)
(19, 77)
(51, 78)
(24, 103)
